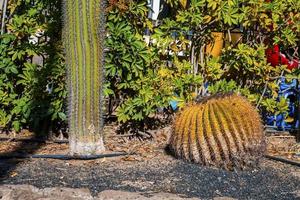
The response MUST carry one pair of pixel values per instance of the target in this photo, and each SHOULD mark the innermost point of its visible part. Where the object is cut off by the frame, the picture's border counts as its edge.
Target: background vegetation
(32, 80)
(143, 77)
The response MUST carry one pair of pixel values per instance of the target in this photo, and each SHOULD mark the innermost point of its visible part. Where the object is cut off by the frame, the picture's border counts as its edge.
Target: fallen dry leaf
(13, 174)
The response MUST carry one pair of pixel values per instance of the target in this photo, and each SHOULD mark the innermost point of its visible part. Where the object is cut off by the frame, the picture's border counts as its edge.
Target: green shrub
(32, 74)
(135, 73)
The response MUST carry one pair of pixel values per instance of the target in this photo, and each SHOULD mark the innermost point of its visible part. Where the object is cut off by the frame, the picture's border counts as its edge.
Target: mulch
(161, 173)
(151, 169)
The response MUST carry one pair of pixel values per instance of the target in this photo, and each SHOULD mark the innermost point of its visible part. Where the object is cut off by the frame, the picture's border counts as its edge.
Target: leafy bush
(32, 68)
(242, 66)
(135, 73)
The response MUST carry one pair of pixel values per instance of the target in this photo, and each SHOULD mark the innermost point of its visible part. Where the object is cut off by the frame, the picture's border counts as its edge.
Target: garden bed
(150, 170)
(161, 173)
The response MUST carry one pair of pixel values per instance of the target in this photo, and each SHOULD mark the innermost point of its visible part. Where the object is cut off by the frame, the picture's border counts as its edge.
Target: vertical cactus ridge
(198, 151)
(70, 60)
(193, 149)
(207, 133)
(221, 141)
(246, 131)
(178, 139)
(94, 54)
(79, 68)
(232, 131)
(184, 129)
(221, 116)
(223, 131)
(251, 124)
(235, 131)
(86, 64)
(100, 76)
(185, 135)
(217, 148)
(202, 144)
(83, 41)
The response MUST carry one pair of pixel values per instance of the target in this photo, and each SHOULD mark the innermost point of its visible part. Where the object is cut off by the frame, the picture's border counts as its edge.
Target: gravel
(162, 173)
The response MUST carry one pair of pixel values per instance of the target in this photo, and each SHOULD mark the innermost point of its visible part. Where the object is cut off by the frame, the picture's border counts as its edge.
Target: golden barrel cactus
(221, 130)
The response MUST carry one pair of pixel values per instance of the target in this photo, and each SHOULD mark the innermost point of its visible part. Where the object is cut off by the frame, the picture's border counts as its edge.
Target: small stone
(224, 198)
(122, 195)
(28, 192)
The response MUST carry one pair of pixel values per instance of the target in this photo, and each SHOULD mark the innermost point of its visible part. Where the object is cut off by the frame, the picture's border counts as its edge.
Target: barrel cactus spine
(83, 37)
(222, 130)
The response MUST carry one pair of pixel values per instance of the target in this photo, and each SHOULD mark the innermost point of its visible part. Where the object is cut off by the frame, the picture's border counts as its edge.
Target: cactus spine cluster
(83, 41)
(222, 130)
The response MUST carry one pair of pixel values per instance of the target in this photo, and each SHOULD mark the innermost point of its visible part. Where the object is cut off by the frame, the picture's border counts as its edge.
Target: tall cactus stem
(83, 41)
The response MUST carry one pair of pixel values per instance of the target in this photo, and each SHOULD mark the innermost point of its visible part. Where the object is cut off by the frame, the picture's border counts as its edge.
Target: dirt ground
(150, 170)
(161, 173)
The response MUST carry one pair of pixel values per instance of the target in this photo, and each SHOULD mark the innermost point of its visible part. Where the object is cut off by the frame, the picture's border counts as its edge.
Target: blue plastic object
(174, 105)
(289, 91)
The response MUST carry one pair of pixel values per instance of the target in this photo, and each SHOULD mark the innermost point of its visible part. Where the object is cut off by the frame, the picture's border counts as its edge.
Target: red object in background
(283, 59)
(293, 64)
(274, 57)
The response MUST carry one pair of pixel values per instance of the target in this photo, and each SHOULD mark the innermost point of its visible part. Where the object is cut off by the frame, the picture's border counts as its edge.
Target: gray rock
(122, 195)
(224, 198)
(28, 192)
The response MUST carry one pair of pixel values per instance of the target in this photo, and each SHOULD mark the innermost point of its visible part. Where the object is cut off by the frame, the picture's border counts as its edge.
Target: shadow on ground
(9, 160)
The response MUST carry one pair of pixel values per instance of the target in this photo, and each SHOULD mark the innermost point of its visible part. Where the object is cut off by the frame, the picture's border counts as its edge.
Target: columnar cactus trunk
(83, 42)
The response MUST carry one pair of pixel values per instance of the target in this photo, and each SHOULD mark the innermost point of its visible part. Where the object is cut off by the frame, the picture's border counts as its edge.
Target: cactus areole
(222, 130)
(83, 37)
